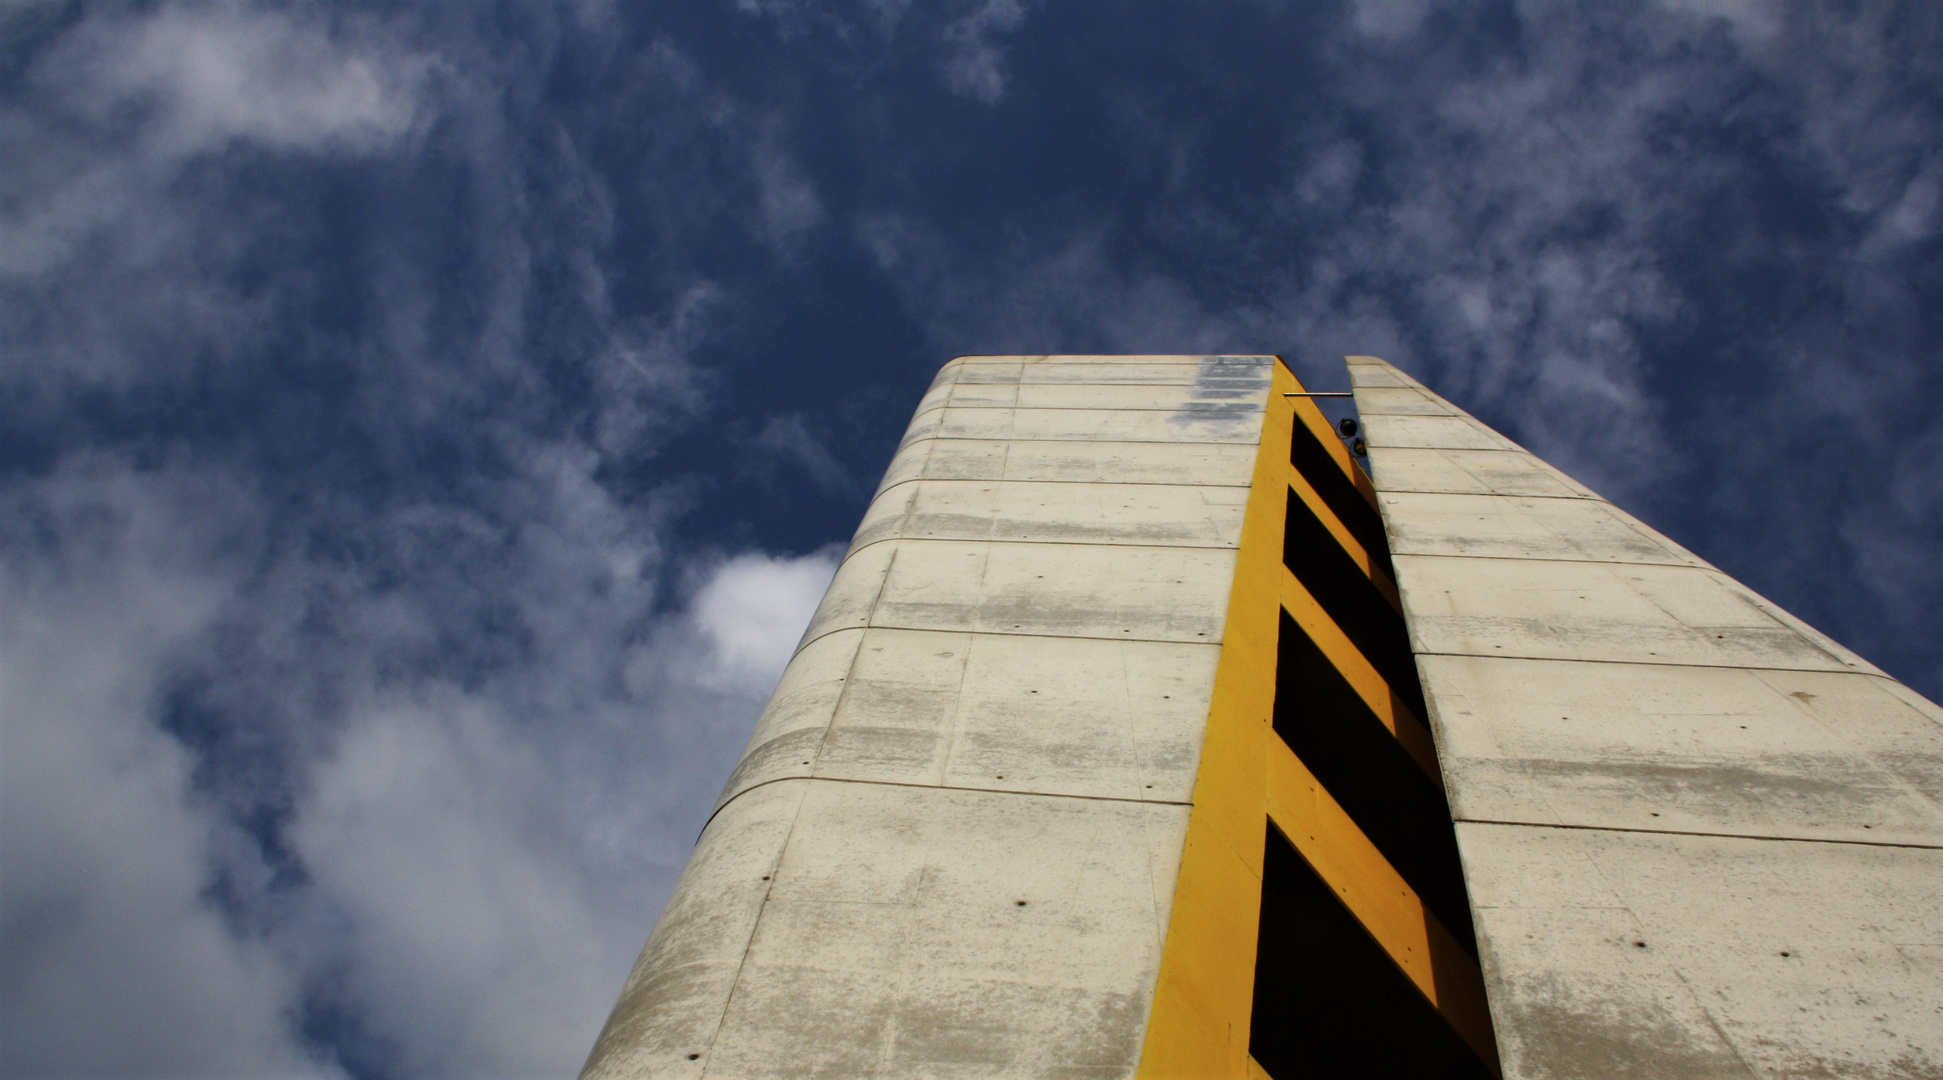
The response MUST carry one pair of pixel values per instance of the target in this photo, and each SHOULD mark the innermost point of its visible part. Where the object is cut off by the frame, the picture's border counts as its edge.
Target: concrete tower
(1142, 733)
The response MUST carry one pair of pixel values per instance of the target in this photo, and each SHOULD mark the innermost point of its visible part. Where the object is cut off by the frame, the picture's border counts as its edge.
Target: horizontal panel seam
(1550, 559)
(1095, 483)
(1844, 670)
(1489, 494)
(1002, 633)
(1687, 832)
(1750, 668)
(1250, 401)
(1029, 543)
(1697, 565)
(1375, 447)
(937, 787)
(1083, 442)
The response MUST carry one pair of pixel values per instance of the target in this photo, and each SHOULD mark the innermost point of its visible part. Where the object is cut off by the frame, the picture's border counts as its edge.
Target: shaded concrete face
(1700, 838)
(951, 845)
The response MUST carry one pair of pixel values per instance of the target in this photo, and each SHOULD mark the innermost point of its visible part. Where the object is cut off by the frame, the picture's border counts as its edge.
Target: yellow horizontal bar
(1379, 899)
(1303, 490)
(1336, 647)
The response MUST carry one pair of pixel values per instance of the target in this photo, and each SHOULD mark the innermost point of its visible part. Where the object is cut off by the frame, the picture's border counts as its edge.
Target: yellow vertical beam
(1198, 1026)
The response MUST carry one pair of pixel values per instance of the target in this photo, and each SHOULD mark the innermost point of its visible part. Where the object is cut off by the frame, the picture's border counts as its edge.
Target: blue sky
(424, 428)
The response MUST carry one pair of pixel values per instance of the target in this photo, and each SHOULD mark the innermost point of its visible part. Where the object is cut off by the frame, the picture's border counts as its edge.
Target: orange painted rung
(1336, 647)
(1303, 490)
(1379, 898)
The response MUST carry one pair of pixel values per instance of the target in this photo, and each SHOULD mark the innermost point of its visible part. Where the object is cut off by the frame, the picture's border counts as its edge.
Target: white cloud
(1389, 18)
(116, 963)
(216, 72)
(479, 862)
(474, 938)
(785, 197)
(97, 235)
(1753, 21)
(753, 610)
(975, 67)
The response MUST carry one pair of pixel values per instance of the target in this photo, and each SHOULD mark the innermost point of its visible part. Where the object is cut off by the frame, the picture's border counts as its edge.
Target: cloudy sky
(425, 427)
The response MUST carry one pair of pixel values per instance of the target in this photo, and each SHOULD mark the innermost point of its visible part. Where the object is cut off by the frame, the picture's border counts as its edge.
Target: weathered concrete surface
(1701, 839)
(1205, 465)
(951, 846)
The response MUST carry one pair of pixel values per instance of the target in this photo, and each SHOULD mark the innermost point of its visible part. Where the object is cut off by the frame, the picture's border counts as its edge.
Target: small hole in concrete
(999, 777)
(1639, 944)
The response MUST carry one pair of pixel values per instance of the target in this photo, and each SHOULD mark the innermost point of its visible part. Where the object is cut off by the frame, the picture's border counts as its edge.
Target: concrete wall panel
(671, 1007)
(1137, 397)
(1472, 472)
(1635, 613)
(1433, 433)
(1104, 371)
(1509, 527)
(1196, 421)
(1695, 955)
(1089, 462)
(924, 932)
(1141, 514)
(1665, 748)
(1063, 590)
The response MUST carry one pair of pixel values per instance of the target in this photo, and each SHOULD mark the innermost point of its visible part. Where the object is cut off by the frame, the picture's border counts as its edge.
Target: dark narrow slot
(1351, 600)
(1328, 999)
(1371, 776)
(1339, 494)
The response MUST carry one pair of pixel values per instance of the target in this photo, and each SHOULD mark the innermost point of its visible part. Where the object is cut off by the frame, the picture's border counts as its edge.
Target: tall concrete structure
(1143, 733)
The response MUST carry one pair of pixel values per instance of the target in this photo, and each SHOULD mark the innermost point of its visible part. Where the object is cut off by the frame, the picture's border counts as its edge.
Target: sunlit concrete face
(1124, 644)
(1700, 838)
(951, 846)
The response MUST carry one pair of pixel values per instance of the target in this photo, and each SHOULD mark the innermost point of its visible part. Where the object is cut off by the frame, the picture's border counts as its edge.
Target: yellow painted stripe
(1336, 647)
(1380, 899)
(1198, 1025)
(1307, 493)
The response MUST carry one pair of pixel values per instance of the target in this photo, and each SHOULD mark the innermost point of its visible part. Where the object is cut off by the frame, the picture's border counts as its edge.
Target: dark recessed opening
(1329, 1002)
(1363, 766)
(1339, 494)
(1351, 600)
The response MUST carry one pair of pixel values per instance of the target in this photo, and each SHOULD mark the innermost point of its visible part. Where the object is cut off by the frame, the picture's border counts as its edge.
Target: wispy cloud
(355, 720)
